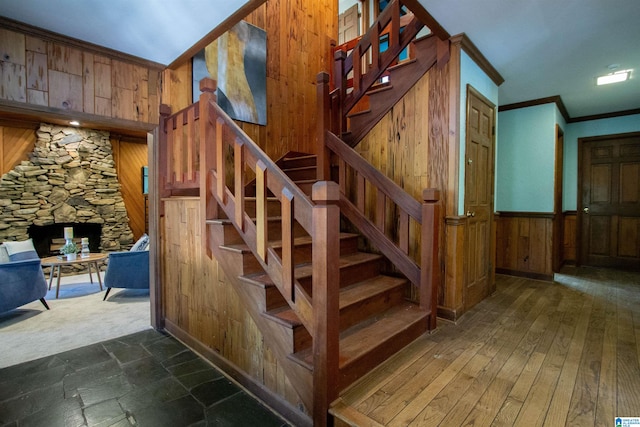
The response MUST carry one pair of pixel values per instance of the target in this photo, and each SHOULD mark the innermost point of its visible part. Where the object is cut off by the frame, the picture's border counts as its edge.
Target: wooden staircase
(327, 311)
(375, 318)
(382, 96)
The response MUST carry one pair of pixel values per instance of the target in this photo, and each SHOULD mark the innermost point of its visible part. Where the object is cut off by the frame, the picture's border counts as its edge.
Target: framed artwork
(237, 60)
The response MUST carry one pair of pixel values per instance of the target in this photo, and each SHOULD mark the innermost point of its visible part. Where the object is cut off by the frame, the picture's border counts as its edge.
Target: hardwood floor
(533, 354)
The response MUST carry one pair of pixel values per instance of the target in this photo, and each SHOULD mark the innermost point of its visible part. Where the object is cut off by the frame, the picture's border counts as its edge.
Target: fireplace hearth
(48, 238)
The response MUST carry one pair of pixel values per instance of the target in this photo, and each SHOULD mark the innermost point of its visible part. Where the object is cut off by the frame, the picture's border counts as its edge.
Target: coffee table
(90, 260)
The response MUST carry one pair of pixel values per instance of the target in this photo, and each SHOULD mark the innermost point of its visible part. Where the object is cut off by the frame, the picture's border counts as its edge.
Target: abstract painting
(237, 60)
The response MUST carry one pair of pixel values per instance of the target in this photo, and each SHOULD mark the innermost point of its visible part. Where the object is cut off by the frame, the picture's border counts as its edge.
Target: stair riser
(306, 188)
(378, 354)
(273, 298)
(274, 230)
(301, 339)
(363, 310)
(274, 207)
(246, 262)
(350, 274)
(302, 174)
(298, 162)
(226, 233)
(303, 253)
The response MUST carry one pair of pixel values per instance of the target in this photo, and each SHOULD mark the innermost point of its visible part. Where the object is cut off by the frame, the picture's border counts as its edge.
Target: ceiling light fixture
(617, 77)
(74, 123)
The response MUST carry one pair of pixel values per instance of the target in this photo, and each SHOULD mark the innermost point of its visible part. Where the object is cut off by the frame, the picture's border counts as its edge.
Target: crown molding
(541, 101)
(604, 116)
(474, 53)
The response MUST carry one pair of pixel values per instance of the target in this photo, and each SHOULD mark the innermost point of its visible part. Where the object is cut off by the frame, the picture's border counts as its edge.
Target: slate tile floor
(144, 379)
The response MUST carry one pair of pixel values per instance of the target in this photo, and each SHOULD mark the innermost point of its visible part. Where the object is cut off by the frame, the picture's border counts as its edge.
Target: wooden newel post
(326, 289)
(162, 147)
(324, 111)
(429, 264)
(208, 204)
(340, 83)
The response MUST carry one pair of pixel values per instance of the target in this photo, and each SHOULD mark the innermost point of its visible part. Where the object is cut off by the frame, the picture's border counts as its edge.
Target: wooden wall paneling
(37, 71)
(36, 44)
(450, 295)
(12, 66)
(129, 158)
(64, 59)
(176, 87)
(201, 302)
(569, 240)
(16, 145)
(524, 244)
(53, 74)
(65, 91)
(12, 47)
(88, 83)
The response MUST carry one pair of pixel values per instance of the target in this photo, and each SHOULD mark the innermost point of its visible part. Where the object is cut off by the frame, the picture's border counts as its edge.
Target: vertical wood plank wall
(524, 244)
(16, 143)
(129, 157)
(410, 146)
(298, 48)
(51, 74)
(200, 302)
(570, 239)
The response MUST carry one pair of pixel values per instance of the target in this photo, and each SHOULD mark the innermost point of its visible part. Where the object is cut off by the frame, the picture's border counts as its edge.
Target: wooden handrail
(399, 38)
(396, 252)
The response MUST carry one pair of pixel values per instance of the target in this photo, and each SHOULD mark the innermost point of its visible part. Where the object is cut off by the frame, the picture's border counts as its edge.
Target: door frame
(557, 244)
(491, 285)
(579, 204)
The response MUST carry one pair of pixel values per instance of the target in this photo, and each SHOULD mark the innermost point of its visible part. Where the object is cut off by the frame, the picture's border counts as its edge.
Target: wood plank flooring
(533, 354)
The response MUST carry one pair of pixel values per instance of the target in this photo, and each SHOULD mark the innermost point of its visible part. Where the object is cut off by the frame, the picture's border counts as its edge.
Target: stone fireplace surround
(70, 178)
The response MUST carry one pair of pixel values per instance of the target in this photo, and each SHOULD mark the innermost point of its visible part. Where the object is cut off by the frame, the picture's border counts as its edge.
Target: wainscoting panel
(523, 244)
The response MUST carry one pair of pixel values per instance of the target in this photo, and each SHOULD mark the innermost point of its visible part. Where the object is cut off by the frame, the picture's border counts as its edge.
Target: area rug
(77, 318)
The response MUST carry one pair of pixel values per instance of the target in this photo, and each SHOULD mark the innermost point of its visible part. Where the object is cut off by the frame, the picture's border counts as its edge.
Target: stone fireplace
(70, 179)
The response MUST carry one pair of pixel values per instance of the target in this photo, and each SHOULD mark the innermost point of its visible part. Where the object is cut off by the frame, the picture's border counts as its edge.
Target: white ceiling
(542, 48)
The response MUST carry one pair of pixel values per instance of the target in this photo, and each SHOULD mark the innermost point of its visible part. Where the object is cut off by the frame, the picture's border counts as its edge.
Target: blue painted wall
(471, 74)
(577, 130)
(525, 159)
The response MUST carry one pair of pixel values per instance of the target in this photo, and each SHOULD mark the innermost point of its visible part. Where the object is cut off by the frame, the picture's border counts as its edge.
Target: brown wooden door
(609, 210)
(478, 196)
(348, 24)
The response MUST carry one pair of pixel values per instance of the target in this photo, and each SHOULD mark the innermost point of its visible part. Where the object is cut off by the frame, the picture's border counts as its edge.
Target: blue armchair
(127, 270)
(20, 283)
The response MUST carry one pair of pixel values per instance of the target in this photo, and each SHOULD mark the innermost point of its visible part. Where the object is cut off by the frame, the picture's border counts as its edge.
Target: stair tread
(305, 270)
(348, 296)
(381, 87)
(297, 241)
(358, 340)
(365, 289)
(285, 316)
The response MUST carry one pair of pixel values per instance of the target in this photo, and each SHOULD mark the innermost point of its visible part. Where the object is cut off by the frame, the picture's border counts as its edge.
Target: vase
(85, 248)
(71, 257)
